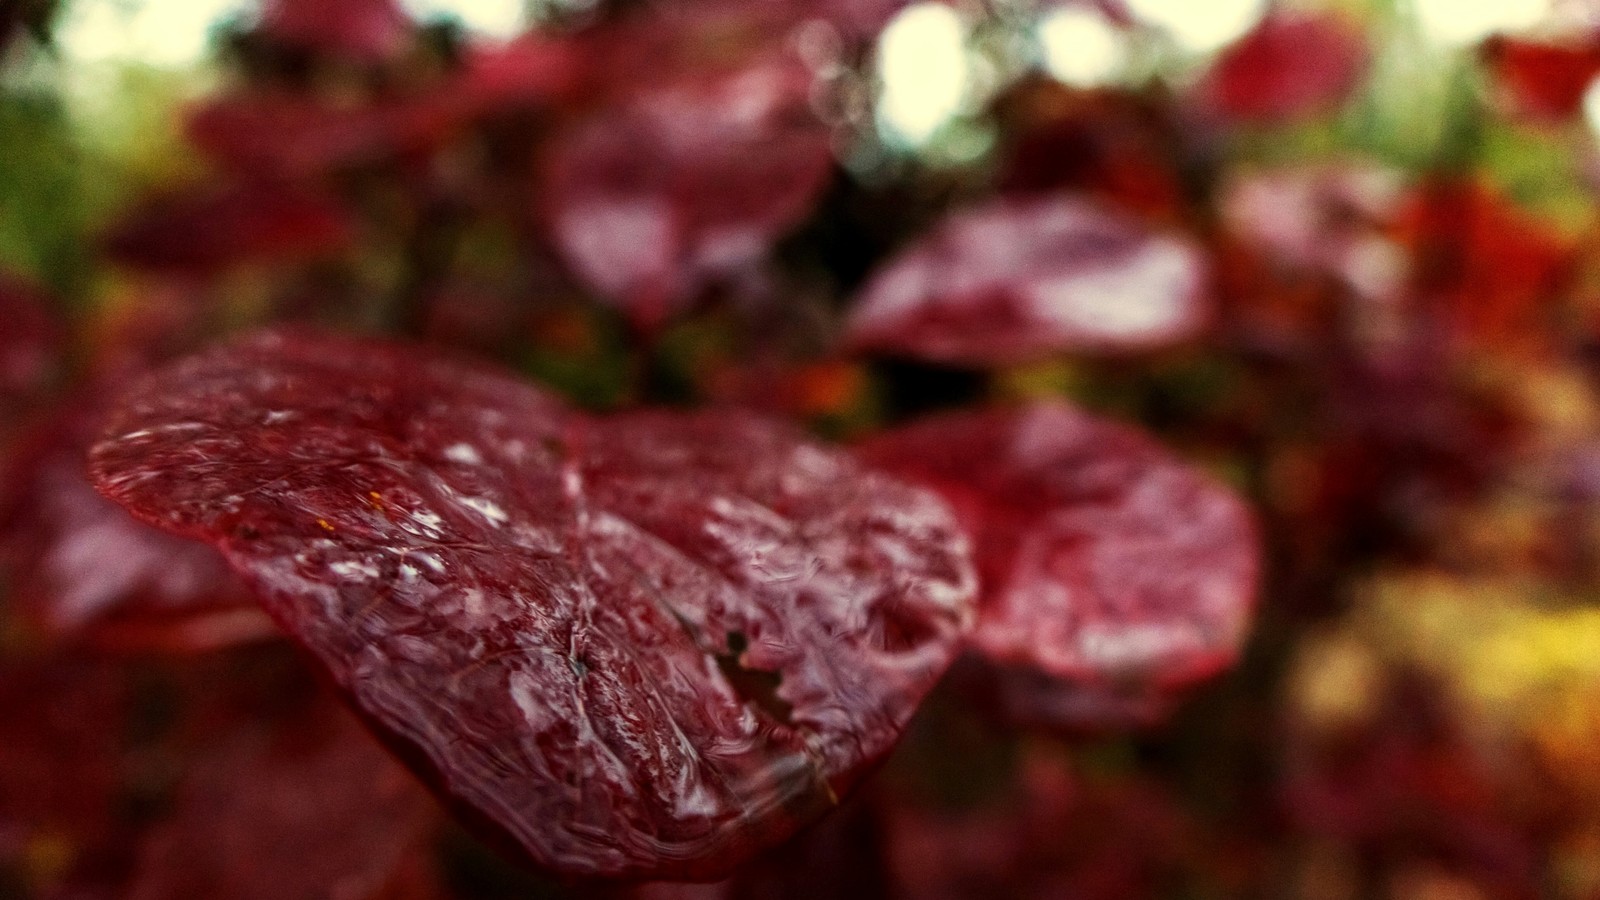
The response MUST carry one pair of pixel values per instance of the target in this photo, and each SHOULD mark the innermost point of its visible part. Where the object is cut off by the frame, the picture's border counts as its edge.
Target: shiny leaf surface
(640, 646)
(1102, 558)
(1023, 280)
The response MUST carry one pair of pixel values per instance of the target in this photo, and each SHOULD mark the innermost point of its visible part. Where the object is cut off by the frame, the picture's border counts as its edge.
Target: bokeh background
(1399, 366)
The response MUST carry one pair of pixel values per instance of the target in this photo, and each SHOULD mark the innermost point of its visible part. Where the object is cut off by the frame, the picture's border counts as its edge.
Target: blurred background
(1395, 357)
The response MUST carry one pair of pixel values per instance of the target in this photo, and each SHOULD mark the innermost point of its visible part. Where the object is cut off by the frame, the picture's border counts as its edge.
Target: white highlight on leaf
(1122, 302)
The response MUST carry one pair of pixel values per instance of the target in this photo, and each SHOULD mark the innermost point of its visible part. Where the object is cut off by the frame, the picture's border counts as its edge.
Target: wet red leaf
(81, 568)
(1103, 560)
(1023, 280)
(359, 29)
(1292, 65)
(1543, 81)
(684, 182)
(635, 647)
(207, 230)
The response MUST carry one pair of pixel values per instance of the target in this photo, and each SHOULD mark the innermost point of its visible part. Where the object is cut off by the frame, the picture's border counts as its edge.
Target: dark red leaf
(840, 857)
(207, 230)
(60, 752)
(1103, 560)
(1019, 281)
(684, 182)
(284, 134)
(288, 135)
(531, 70)
(1543, 81)
(1047, 832)
(1486, 271)
(1072, 706)
(30, 343)
(359, 29)
(302, 806)
(1294, 64)
(637, 647)
(1116, 146)
(80, 567)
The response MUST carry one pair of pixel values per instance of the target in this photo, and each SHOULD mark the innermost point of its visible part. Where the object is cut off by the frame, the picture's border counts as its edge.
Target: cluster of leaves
(697, 440)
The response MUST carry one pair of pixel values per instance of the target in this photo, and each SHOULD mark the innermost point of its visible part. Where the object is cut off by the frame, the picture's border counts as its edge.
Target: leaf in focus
(547, 612)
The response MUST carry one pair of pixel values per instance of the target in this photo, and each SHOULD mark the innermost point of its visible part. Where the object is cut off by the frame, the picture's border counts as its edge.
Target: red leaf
(1293, 65)
(1328, 218)
(301, 807)
(1102, 559)
(1486, 269)
(30, 343)
(80, 567)
(1029, 695)
(854, 20)
(1018, 281)
(1050, 833)
(840, 858)
(60, 751)
(285, 135)
(208, 230)
(1544, 81)
(636, 647)
(263, 133)
(1113, 145)
(685, 182)
(361, 29)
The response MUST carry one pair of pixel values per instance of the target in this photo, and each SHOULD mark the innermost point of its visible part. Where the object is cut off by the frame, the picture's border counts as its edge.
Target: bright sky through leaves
(1080, 47)
(1461, 22)
(923, 65)
(1591, 106)
(490, 18)
(167, 34)
(1200, 27)
(176, 33)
